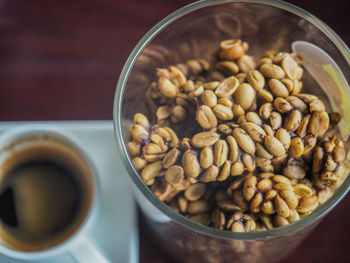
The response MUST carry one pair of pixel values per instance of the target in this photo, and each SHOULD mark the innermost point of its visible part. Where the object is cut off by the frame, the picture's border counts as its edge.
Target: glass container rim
(170, 213)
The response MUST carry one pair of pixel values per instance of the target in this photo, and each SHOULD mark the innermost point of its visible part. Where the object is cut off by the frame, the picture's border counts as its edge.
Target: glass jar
(194, 31)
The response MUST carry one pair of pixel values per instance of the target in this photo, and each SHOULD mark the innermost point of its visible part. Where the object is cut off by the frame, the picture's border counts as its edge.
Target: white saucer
(115, 230)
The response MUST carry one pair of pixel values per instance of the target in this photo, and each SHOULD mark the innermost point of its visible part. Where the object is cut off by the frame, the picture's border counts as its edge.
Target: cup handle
(87, 251)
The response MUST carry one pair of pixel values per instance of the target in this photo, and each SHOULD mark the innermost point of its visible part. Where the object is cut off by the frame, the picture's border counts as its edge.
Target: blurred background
(60, 60)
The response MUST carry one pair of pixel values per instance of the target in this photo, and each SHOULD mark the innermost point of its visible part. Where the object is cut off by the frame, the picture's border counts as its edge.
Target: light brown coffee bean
(264, 185)
(195, 192)
(182, 203)
(139, 163)
(190, 164)
(294, 170)
(280, 179)
(175, 175)
(237, 227)
(264, 164)
(284, 137)
(220, 152)
(339, 154)
(167, 88)
(268, 130)
(309, 143)
(265, 110)
(324, 195)
(246, 63)
(233, 147)
(279, 221)
(209, 175)
(203, 139)
(209, 98)
(290, 198)
(274, 146)
(297, 103)
(289, 84)
(241, 77)
(282, 105)
(198, 207)
(265, 95)
(296, 147)
(244, 140)
(253, 117)
(248, 162)
(151, 170)
(307, 204)
(244, 96)
(307, 97)
(268, 207)
(319, 123)
(256, 202)
(316, 106)
(152, 148)
(231, 49)
(237, 168)
(206, 157)
(249, 188)
(238, 198)
(225, 171)
(281, 207)
(141, 119)
(206, 117)
(170, 158)
(174, 141)
(272, 71)
(290, 67)
(275, 120)
(223, 112)
(302, 190)
(177, 77)
(302, 129)
(228, 206)
(218, 219)
(270, 194)
(228, 67)
(226, 102)
(254, 131)
(237, 110)
(256, 79)
(211, 85)
(153, 157)
(197, 92)
(178, 114)
(134, 148)
(278, 57)
(294, 120)
(227, 87)
(241, 119)
(317, 160)
(266, 219)
(262, 152)
(225, 129)
(139, 133)
(278, 88)
(189, 86)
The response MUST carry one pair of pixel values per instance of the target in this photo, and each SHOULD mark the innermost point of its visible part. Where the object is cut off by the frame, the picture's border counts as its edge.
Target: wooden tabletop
(60, 60)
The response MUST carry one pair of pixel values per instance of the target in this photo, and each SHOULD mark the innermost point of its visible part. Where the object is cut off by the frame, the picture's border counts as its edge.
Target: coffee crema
(46, 192)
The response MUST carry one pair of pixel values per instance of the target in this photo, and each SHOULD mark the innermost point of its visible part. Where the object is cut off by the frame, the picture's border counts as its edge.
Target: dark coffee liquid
(38, 201)
(45, 195)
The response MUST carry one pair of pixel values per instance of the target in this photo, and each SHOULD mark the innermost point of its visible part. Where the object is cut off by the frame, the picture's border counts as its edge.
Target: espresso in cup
(46, 191)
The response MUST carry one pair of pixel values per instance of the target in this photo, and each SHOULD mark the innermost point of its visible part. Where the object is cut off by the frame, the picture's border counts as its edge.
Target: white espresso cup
(40, 144)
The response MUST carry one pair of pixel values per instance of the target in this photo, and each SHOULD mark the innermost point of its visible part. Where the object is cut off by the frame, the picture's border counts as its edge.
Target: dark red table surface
(60, 60)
